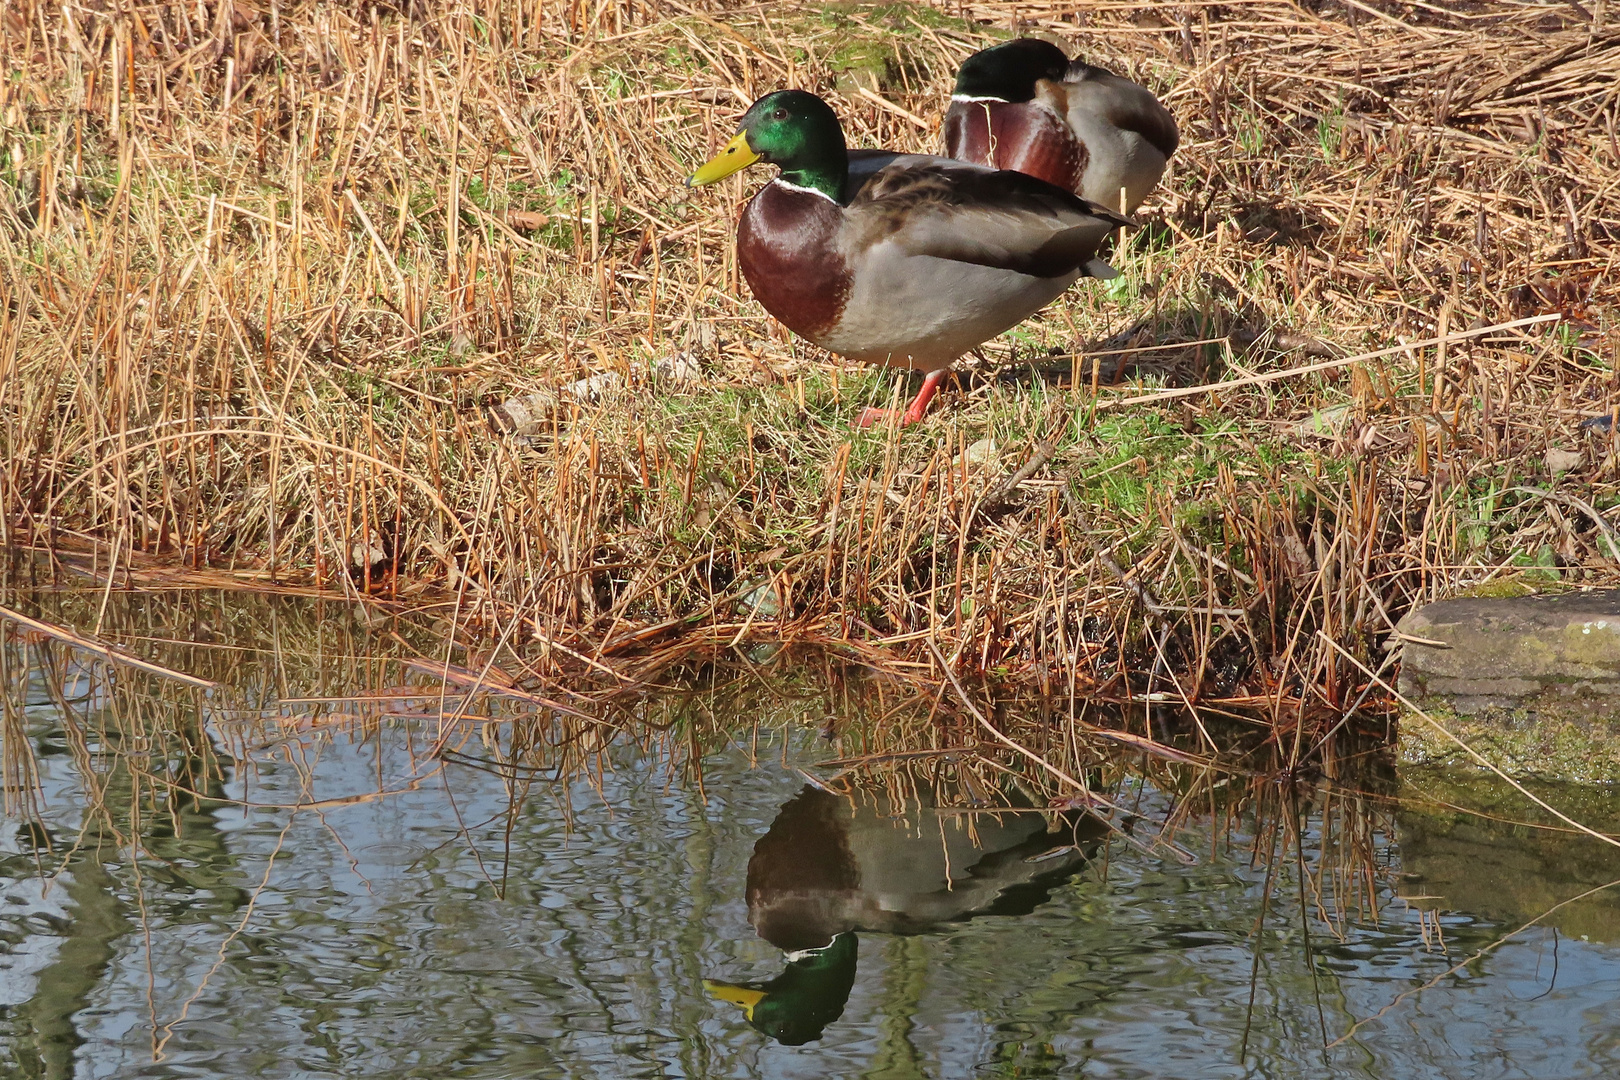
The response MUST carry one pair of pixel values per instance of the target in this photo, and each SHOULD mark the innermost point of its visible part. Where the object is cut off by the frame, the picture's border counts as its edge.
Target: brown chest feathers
(1024, 136)
(786, 250)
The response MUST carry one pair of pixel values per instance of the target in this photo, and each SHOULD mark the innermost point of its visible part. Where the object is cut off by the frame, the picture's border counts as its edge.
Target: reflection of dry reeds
(299, 679)
(268, 269)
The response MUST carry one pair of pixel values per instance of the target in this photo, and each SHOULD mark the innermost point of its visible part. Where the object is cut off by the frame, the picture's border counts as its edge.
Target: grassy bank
(270, 273)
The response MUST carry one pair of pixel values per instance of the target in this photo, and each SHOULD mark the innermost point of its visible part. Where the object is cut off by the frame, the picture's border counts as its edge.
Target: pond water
(427, 915)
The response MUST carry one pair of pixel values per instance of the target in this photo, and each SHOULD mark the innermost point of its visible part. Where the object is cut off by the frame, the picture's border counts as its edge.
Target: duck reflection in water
(867, 859)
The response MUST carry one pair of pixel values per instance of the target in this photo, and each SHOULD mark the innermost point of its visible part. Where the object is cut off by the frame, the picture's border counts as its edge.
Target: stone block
(1481, 652)
(1531, 682)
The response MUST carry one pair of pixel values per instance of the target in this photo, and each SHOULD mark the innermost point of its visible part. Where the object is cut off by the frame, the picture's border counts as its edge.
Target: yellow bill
(736, 156)
(737, 995)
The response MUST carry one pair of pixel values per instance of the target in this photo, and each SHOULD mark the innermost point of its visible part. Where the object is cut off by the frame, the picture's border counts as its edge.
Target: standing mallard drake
(1024, 105)
(920, 260)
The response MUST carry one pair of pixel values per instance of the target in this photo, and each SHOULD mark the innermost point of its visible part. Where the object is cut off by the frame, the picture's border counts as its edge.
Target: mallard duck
(836, 863)
(917, 262)
(1024, 105)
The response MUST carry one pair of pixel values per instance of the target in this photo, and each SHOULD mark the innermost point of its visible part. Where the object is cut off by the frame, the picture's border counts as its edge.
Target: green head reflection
(798, 1004)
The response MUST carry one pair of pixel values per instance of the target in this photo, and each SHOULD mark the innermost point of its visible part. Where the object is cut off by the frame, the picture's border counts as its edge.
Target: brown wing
(952, 210)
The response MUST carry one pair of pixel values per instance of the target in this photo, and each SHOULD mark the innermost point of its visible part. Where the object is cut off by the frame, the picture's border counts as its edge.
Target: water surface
(429, 916)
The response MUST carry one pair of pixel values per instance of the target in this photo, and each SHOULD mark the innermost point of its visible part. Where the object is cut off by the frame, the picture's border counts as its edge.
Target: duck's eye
(779, 114)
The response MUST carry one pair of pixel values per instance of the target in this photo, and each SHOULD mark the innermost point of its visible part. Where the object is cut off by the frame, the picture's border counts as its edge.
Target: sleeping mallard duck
(1024, 105)
(911, 263)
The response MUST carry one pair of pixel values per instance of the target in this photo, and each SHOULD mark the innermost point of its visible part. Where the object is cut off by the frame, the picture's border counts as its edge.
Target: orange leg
(914, 412)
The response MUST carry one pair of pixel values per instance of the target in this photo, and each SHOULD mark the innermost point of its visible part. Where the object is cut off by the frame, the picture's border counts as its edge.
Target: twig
(1326, 365)
(884, 103)
(1003, 491)
(105, 651)
(382, 248)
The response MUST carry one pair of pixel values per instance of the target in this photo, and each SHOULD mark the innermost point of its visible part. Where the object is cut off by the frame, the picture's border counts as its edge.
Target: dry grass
(268, 268)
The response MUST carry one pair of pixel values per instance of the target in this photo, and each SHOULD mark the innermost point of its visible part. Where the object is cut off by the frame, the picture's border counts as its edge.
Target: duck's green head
(798, 1004)
(795, 131)
(1009, 71)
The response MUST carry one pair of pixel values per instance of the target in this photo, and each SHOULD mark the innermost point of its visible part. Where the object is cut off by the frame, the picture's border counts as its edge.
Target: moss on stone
(1512, 586)
(1545, 742)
